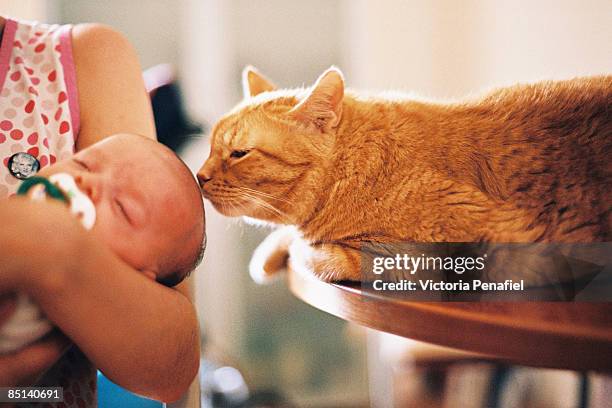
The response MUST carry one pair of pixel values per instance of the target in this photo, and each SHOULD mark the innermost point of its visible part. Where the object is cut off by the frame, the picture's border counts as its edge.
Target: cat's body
(523, 164)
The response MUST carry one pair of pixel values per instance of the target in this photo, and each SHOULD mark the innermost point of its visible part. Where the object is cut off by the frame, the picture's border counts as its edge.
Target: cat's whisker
(252, 194)
(268, 207)
(239, 207)
(264, 194)
(264, 205)
(222, 202)
(261, 193)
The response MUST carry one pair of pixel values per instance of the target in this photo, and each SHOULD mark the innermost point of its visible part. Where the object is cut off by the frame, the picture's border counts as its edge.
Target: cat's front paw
(270, 258)
(329, 263)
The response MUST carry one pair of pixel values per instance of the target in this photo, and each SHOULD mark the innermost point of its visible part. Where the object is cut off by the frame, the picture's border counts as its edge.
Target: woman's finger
(7, 306)
(26, 365)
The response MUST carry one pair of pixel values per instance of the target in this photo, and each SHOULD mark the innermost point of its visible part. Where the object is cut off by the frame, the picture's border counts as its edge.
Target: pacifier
(61, 186)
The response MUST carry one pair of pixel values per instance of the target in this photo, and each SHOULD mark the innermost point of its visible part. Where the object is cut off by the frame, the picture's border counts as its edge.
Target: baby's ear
(150, 274)
(322, 108)
(253, 83)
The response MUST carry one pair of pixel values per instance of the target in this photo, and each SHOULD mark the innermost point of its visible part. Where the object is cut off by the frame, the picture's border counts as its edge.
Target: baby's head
(149, 209)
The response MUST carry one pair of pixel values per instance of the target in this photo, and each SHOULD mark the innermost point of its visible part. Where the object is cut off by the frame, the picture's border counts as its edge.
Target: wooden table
(568, 335)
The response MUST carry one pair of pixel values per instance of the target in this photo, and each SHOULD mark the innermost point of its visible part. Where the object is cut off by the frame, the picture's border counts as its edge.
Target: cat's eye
(236, 154)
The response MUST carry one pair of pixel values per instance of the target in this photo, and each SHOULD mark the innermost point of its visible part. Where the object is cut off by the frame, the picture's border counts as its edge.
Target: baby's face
(147, 207)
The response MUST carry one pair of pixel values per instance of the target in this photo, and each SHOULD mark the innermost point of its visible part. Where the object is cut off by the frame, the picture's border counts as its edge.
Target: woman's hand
(37, 242)
(7, 306)
(26, 365)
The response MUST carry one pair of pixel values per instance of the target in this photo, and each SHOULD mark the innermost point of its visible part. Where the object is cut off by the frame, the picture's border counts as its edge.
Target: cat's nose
(203, 178)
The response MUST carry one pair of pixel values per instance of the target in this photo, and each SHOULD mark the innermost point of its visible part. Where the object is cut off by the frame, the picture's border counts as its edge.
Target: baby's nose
(89, 185)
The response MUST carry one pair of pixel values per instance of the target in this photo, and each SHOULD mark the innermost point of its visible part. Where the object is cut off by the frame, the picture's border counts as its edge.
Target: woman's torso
(39, 116)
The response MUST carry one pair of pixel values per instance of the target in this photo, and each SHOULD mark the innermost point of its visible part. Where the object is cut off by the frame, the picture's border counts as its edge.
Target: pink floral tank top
(39, 111)
(39, 121)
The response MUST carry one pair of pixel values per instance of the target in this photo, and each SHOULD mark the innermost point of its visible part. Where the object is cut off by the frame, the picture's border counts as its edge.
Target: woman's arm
(142, 335)
(112, 95)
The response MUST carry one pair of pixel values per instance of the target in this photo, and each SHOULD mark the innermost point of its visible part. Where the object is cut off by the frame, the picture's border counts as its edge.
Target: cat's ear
(254, 83)
(322, 107)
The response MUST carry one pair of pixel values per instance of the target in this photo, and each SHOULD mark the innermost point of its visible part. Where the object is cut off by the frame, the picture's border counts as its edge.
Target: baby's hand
(271, 256)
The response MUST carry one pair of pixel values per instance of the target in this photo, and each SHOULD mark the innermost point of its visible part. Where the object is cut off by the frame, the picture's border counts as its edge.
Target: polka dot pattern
(16, 134)
(35, 117)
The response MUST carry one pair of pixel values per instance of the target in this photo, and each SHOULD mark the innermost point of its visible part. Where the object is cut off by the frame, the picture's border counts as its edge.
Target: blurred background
(442, 49)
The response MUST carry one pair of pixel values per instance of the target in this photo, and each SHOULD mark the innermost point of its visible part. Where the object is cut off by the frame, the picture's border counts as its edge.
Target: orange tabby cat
(522, 164)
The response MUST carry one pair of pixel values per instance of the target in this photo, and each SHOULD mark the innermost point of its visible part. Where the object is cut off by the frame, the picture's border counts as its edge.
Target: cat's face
(266, 156)
(254, 166)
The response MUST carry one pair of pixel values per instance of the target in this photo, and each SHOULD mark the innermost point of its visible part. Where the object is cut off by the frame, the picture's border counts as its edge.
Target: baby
(145, 205)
